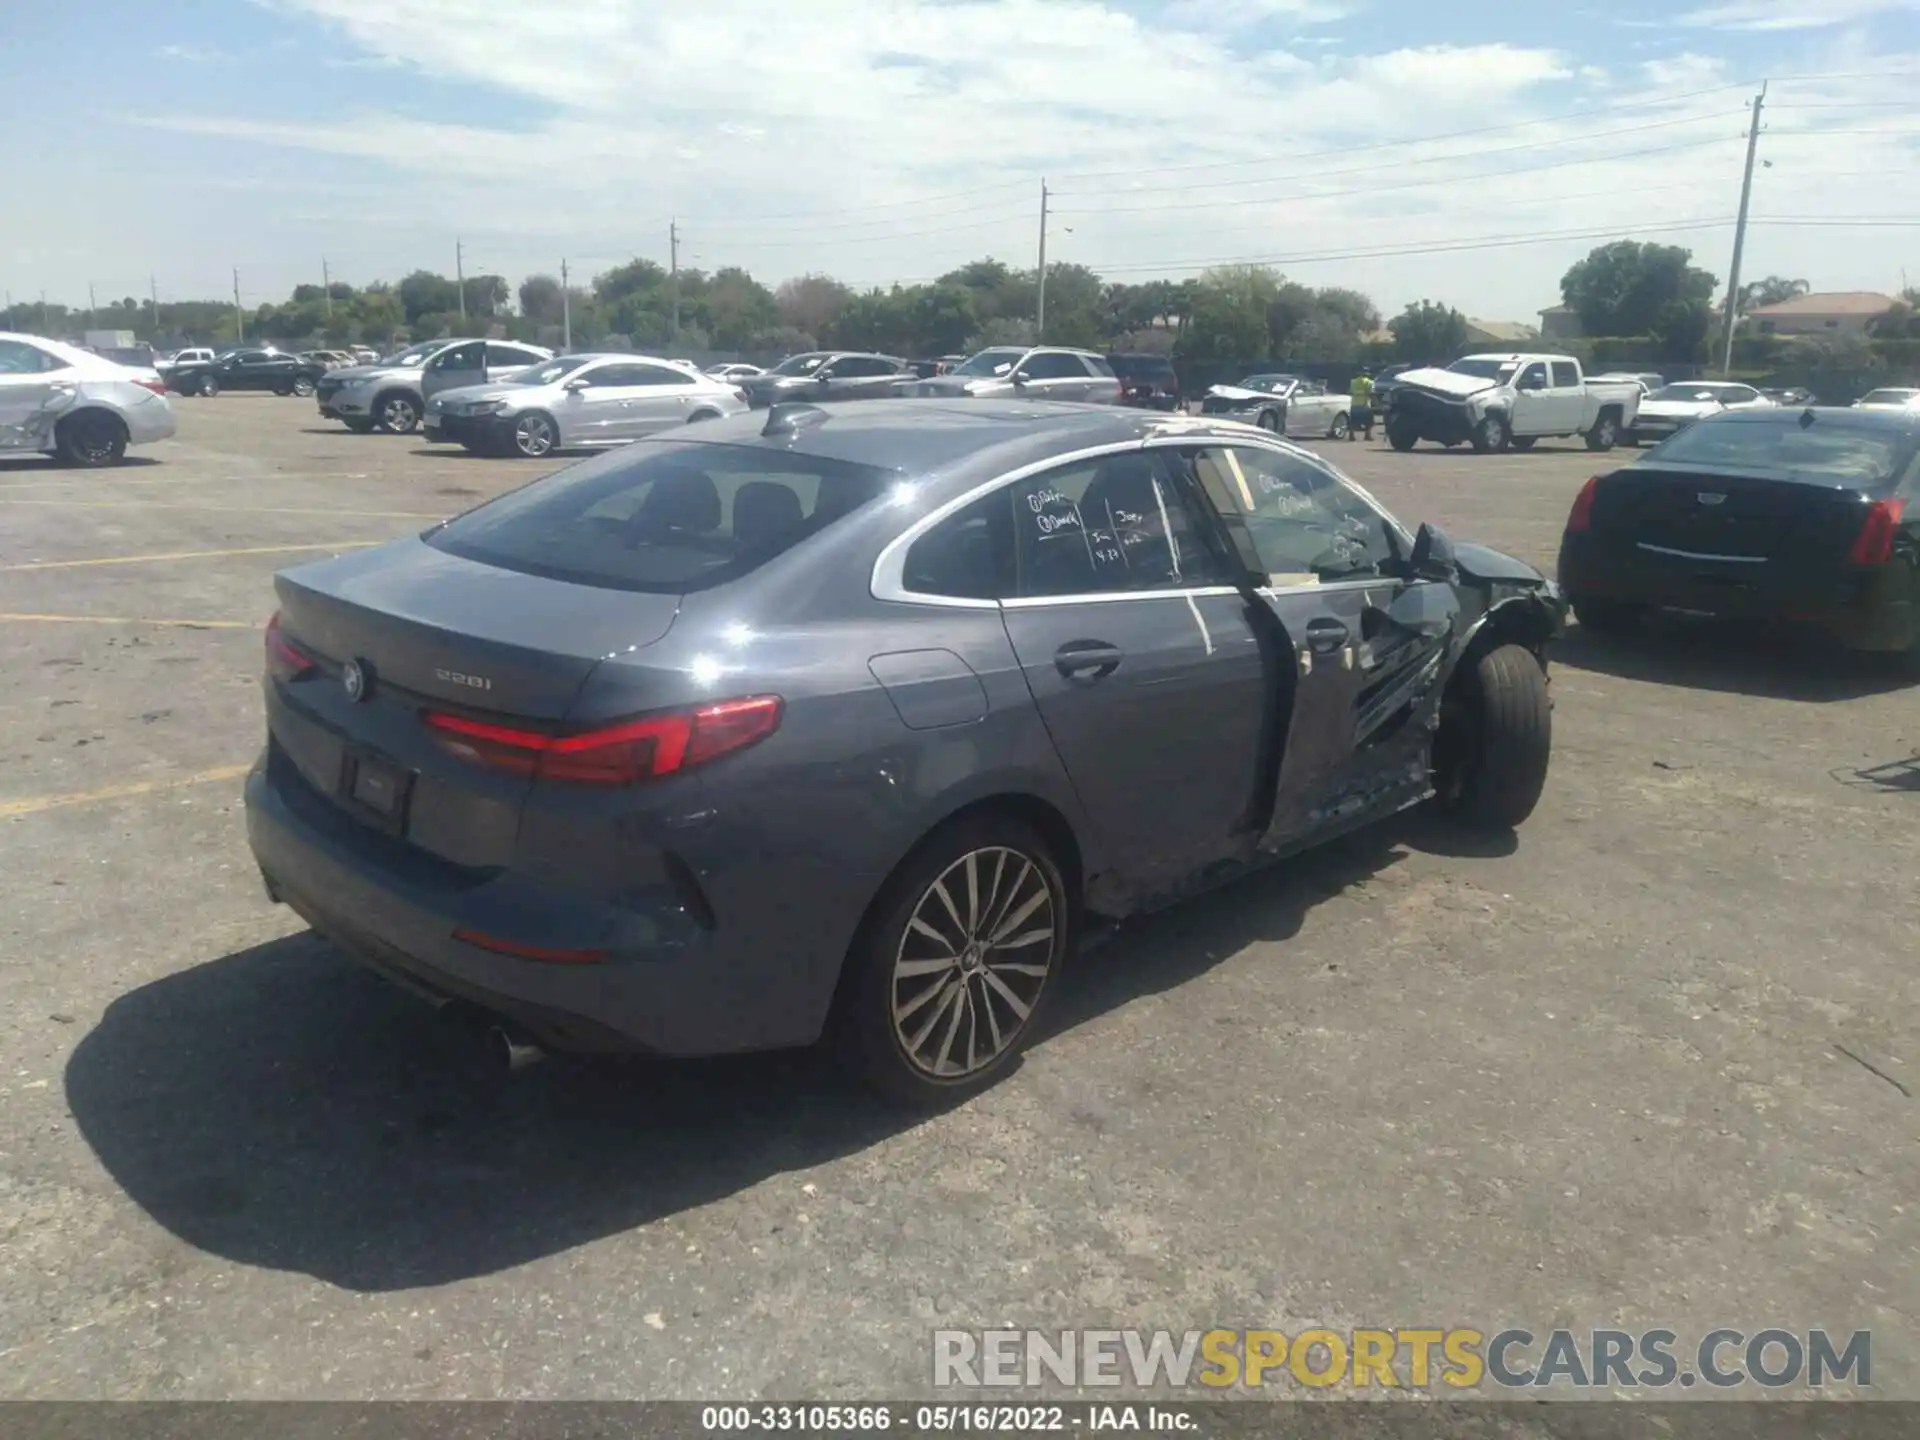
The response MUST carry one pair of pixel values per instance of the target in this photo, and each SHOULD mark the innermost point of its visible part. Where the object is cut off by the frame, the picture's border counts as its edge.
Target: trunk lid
(432, 631)
(1741, 519)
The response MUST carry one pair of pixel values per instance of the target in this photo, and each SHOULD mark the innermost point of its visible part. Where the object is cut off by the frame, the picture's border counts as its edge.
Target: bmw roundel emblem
(353, 679)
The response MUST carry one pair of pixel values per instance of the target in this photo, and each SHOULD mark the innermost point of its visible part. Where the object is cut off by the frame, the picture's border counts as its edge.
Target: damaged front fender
(28, 416)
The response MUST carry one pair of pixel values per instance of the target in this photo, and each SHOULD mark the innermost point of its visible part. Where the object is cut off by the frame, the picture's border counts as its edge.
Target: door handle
(1089, 659)
(1325, 636)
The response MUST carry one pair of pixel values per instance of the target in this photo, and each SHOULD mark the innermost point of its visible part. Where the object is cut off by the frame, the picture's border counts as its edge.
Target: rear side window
(1106, 371)
(663, 517)
(1565, 374)
(969, 555)
(1113, 524)
(1053, 365)
(19, 358)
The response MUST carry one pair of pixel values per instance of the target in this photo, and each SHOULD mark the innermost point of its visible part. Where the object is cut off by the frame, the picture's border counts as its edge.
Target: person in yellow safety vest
(1360, 405)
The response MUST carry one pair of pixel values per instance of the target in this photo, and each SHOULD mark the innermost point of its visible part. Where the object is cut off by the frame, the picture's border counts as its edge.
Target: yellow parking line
(34, 804)
(229, 509)
(93, 478)
(190, 555)
(133, 620)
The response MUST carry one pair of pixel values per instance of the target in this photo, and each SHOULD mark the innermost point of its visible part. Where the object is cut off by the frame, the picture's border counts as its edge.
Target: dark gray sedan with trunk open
(846, 718)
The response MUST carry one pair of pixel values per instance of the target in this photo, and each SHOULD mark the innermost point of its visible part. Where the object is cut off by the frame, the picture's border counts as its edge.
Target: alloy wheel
(399, 415)
(972, 962)
(533, 436)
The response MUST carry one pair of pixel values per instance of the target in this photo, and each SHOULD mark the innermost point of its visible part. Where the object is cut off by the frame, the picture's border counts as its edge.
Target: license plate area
(375, 789)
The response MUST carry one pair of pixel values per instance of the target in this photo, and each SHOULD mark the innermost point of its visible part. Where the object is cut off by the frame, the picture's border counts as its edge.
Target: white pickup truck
(1496, 402)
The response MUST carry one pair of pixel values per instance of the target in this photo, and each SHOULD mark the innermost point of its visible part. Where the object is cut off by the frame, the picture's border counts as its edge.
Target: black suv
(273, 370)
(1147, 382)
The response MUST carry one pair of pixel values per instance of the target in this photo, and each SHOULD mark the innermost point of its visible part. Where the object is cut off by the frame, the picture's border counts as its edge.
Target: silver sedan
(578, 401)
(63, 401)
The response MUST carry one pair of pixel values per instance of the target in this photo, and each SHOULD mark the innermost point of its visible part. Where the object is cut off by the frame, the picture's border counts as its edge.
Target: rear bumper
(149, 420)
(662, 989)
(476, 432)
(1861, 608)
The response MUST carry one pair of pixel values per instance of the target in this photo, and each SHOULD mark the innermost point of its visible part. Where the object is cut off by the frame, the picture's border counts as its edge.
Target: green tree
(540, 299)
(1679, 330)
(811, 303)
(1428, 333)
(734, 307)
(636, 277)
(1623, 288)
(1228, 318)
(424, 293)
(1770, 291)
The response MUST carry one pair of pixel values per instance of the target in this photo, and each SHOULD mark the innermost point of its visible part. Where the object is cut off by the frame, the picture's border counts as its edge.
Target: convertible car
(1284, 404)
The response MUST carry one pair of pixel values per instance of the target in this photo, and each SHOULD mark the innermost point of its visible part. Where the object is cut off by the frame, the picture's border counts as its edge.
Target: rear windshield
(662, 516)
(1866, 457)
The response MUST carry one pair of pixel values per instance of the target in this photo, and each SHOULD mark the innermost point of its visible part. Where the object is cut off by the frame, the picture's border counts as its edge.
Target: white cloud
(193, 54)
(894, 139)
(1789, 14)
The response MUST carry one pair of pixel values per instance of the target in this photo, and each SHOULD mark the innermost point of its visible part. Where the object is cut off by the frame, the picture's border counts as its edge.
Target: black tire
(1523, 442)
(397, 412)
(1631, 439)
(1339, 428)
(1496, 735)
(1607, 616)
(303, 387)
(358, 425)
(283, 391)
(207, 388)
(535, 436)
(1491, 436)
(868, 1038)
(1605, 433)
(90, 439)
(1401, 437)
(1269, 420)
(701, 415)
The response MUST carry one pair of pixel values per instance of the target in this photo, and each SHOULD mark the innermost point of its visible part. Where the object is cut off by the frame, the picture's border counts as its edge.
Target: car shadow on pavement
(1894, 775)
(1735, 659)
(16, 463)
(280, 1107)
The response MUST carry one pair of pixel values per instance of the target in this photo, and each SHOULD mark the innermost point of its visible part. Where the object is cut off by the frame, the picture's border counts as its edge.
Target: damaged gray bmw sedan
(844, 720)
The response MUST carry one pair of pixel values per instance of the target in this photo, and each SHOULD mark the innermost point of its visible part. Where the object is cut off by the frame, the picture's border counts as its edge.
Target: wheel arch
(1518, 619)
(85, 410)
(1043, 815)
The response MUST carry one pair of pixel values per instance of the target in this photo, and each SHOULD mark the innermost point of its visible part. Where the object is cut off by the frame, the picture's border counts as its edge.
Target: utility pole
(326, 287)
(1040, 319)
(153, 290)
(239, 320)
(1740, 234)
(673, 276)
(566, 311)
(93, 306)
(460, 279)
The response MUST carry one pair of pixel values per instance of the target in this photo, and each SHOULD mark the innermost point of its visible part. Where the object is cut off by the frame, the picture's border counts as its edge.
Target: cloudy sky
(1382, 144)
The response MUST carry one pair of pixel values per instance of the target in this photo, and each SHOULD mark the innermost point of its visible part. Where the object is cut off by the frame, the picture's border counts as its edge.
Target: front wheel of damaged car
(1496, 735)
(949, 975)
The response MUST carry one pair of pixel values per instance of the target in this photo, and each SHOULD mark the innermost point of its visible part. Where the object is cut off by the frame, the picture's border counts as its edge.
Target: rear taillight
(285, 660)
(1874, 544)
(623, 754)
(156, 385)
(1580, 518)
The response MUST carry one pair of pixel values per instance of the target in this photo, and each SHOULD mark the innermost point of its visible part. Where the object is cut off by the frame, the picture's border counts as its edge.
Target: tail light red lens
(285, 660)
(623, 754)
(1580, 518)
(157, 386)
(541, 953)
(1874, 544)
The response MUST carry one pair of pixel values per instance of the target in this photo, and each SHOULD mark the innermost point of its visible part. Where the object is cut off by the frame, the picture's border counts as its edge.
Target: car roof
(923, 436)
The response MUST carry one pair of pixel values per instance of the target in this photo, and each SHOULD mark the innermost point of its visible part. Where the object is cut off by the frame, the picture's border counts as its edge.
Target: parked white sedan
(578, 401)
(1891, 397)
(67, 402)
